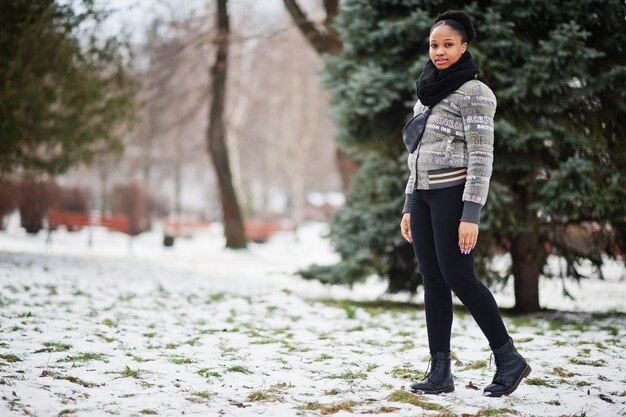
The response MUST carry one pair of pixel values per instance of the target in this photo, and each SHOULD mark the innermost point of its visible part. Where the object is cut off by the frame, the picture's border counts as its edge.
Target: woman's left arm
(477, 110)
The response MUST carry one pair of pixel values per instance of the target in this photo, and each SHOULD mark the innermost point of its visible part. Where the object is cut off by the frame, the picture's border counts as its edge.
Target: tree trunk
(325, 40)
(216, 137)
(527, 265)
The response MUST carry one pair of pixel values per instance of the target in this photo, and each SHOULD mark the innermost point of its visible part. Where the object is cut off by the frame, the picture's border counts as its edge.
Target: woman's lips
(441, 61)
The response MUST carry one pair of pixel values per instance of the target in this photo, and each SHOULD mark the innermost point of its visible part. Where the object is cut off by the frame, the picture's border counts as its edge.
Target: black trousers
(435, 219)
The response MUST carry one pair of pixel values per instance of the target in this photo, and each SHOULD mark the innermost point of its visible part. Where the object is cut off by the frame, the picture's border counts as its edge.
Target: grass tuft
(330, 408)
(239, 368)
(85, 357)
(407, 397)
(540, 382)
(10, 357)
(130, 373)
(495, 412)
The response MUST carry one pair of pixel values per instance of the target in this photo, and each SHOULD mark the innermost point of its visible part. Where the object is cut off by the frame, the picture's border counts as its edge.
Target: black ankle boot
(439, 379)
(511, 369)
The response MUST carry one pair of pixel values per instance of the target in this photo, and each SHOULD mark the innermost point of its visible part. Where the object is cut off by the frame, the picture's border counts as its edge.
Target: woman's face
(446, 46)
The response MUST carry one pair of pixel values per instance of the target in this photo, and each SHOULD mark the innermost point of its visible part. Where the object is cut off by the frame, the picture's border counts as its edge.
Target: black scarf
(434, 85)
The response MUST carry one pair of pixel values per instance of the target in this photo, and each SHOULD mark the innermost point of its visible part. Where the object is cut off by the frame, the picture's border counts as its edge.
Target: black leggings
(435, 218)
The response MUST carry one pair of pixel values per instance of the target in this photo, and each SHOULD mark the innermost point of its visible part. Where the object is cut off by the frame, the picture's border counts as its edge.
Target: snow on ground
(132, 328)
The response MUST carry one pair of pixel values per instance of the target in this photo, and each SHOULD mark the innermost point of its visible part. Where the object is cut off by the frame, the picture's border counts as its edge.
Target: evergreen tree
(65, 91)
(559, 172)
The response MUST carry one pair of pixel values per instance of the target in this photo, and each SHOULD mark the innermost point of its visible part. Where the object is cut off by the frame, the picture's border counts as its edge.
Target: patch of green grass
(613, 331)
(215, 298)
(280, 387)
(66, 412)
(263, 396)
(149, 335)
(192, 342)
(349, 375)
(405, 372)
(350, 311)
(139, 358)
(323, 357)
(540, 381)
(206, 373)
(553, 402)
(109, 322)
(407, 344)
(371, 366)
(171, 346)
(85, 357)
(524, 340)
(495, 412)
(127, 372)
(239, 368)
(381, 410)
(10, 357)
(563, 373)
(334, 391)
(200, 397)
(69, 378)
(148, 411)
(597, 362)
(474, 365)
(180, 360)
(105, 338)
(54, 347)
(329, 408)
(407, 397)
(582, 383)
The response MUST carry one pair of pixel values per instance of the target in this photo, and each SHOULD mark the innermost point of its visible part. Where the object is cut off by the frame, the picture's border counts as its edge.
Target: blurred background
(262, 115)
(148, 157)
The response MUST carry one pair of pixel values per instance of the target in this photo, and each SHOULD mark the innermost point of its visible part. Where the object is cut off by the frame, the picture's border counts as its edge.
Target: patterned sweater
(456, 148)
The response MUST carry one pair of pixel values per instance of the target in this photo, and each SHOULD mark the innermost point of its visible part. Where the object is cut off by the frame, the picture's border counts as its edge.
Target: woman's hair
(458, 20)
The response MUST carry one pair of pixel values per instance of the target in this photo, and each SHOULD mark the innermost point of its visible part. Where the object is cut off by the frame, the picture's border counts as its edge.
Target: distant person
(448, 184)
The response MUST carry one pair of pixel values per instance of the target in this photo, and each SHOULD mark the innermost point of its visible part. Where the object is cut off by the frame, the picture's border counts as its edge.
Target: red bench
(182, 228)
(260, 231)
(76, 220)
(72, 220)
(118, 223)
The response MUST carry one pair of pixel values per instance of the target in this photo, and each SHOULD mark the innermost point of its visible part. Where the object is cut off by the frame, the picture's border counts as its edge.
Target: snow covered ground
(139, 329)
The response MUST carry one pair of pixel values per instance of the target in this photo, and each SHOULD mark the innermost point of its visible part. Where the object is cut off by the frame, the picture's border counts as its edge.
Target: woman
(448, 185)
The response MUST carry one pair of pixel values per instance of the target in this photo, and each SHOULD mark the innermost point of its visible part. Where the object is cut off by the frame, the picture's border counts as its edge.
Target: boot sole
(449, 388)
(514, 387)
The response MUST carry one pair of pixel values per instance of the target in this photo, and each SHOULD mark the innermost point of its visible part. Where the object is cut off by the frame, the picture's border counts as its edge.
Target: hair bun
(463, 18)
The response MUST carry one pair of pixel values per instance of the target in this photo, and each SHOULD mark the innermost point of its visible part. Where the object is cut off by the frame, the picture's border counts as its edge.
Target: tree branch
(326, 41)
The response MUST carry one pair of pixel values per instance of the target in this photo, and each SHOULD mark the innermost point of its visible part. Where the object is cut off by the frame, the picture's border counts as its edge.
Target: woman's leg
(437, 295)
(458, 269)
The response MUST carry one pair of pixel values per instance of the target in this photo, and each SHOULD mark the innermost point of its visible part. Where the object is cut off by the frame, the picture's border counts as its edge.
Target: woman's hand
(468, 236)
(405, 227)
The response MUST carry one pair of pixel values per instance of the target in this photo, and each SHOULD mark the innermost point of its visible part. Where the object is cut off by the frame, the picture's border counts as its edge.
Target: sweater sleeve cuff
(407, 204)
(471, 212)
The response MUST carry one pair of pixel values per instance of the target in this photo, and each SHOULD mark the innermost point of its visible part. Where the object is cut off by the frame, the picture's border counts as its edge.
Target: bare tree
(325, 39)
(216, 134)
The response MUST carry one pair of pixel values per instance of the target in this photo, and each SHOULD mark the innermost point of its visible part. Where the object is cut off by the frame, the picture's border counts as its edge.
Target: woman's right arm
(405, 224)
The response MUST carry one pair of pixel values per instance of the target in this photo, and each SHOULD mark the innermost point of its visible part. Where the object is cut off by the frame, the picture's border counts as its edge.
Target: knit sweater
(456, 148)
